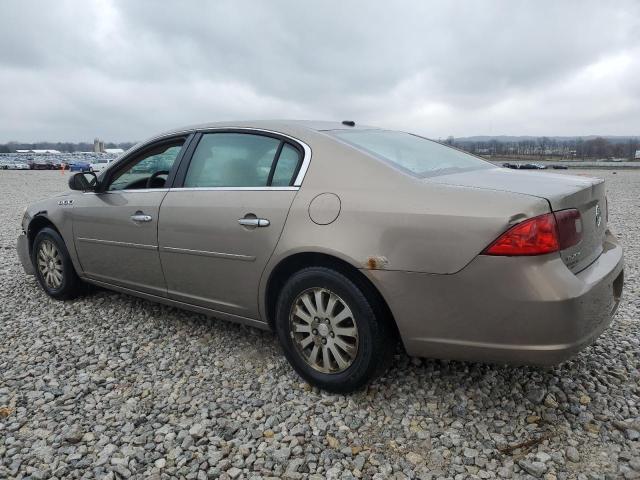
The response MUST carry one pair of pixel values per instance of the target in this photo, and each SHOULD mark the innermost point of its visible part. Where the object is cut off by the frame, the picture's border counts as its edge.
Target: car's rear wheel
(331, 331)
(53, 266)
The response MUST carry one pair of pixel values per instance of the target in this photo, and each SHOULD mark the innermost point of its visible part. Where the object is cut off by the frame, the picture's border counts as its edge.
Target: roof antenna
(349, 123)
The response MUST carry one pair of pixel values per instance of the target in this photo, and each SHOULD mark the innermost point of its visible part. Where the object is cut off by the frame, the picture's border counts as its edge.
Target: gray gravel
(110, 386)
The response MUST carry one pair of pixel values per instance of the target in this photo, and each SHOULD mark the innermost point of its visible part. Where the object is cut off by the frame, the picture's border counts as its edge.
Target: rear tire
(334, 335)
(53, 266)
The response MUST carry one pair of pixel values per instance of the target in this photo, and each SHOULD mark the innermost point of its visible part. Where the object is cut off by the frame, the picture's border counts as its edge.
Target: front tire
(334, 335)
(53, 266)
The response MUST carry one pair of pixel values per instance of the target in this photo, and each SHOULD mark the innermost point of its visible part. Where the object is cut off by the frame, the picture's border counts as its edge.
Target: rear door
(219, 228)
(115, 229)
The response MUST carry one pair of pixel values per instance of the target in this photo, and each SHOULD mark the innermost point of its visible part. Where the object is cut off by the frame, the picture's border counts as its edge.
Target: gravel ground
(110, 386)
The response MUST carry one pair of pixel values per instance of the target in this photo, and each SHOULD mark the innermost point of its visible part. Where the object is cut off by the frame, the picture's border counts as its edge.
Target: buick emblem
(598, 216)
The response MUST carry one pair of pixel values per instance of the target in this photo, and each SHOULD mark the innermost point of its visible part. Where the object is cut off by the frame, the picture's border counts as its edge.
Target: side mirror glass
(83, 181)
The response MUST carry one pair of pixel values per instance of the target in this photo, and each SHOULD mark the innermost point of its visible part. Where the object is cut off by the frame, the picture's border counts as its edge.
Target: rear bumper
(523, 310)
(22, 247)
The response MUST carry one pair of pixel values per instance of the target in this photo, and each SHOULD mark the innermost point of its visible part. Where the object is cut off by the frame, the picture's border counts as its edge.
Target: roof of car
(316, 125)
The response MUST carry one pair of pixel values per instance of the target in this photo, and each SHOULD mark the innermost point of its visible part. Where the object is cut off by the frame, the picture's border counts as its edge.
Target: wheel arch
(37, 223)
(297, 261)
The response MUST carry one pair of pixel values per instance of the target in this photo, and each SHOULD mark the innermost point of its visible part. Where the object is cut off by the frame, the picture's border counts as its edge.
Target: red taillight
(539, 235)
(569, 227)
(535, 236)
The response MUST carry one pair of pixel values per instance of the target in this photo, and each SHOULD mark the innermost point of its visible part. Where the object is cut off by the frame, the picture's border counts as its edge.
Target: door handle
(140, 217)
(254, 222)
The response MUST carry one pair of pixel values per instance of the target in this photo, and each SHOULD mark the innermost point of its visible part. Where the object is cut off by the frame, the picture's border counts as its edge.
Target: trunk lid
(585, 194)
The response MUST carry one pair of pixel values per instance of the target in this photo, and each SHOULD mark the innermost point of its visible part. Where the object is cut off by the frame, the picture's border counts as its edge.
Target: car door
(116, 228)
(219, 228)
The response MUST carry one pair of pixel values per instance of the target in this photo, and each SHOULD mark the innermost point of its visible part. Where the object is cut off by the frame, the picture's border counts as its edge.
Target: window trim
(299, 174)
(135, 155)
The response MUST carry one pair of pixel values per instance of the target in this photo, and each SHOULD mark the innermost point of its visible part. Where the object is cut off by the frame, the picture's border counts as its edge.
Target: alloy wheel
(50, 264)
(323, 330)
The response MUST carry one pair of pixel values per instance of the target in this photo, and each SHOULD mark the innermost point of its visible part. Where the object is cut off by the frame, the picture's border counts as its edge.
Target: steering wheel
(154, 176)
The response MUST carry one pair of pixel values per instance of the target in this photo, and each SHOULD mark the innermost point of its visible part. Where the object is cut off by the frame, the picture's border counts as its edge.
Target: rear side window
(286, 167)
(411, 153)
(241, 160)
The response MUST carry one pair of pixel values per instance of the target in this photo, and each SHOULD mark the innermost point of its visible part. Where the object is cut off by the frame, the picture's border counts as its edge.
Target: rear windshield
(413, 154)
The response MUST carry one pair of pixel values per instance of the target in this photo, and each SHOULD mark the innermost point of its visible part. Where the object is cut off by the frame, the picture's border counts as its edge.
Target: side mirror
(84, 181)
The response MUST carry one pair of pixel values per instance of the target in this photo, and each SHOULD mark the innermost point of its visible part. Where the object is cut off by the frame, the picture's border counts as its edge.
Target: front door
(217, 232)
(116, 229)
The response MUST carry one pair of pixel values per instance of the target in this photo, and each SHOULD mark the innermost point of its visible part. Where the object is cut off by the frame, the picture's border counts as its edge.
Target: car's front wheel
(331, 331)
(53, 266)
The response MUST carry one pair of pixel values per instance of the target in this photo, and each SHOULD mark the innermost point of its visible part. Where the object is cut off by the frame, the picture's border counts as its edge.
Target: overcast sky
(124, 70)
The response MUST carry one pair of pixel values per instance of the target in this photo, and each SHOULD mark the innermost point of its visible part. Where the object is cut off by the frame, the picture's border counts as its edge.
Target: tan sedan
(342, 239)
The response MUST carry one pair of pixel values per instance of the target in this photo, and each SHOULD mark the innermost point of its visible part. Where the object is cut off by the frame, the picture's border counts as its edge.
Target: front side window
(150, 170)
(411, 153)
(238, 160)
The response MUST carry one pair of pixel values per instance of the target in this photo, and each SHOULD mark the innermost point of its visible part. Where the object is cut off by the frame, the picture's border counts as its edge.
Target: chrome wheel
(323, 330)
(50, 264)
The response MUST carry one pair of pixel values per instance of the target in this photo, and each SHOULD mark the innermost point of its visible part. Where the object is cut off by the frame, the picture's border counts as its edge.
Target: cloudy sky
(123, 70)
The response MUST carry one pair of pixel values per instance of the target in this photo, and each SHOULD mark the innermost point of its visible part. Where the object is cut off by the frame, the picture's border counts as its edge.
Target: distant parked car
(57, 165)
(14, 166)
(80, 167)
(511, 165)
(100, 164)
(559, 167)
(532, 166)
(39, 164)
(377, 233)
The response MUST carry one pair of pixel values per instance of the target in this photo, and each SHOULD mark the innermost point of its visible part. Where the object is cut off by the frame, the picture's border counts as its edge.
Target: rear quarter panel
(414, 225)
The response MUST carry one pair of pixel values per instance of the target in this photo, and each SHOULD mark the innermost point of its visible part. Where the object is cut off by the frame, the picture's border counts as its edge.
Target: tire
(62, 281)
(368, 349)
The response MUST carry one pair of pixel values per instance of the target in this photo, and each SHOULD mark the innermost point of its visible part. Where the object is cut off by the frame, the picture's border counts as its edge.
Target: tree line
(576, 148)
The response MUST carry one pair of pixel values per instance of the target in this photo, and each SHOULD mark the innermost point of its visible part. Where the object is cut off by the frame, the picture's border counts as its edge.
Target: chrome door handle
(141, 217)
(254, 222)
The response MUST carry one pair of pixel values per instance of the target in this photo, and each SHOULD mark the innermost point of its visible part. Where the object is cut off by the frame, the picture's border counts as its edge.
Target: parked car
(80, 167)
(511, 165)
(13, 165)
(342, 239)
(18, 166)
(100, 164)
(559, 167)
(58, 165)
(39, 164)
(532, 166)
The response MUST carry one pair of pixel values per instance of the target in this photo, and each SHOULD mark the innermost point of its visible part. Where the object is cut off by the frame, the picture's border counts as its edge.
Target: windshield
(411, 153)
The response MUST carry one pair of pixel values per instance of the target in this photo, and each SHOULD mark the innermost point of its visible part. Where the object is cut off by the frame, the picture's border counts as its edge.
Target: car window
(411, 153)
(149, 170)
(232, 160)
(286, 167)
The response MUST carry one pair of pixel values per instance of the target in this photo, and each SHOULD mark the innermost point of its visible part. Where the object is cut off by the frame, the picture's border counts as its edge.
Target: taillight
(535, 236)
(547, 233)
(569, 227)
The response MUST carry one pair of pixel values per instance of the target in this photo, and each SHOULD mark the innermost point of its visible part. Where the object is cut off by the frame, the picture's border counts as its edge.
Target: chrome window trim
(234, 189)
(306, 159)
(129, 190)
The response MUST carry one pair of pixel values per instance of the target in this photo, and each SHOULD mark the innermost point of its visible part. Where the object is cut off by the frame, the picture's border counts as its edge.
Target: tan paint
(417, 240)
